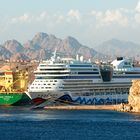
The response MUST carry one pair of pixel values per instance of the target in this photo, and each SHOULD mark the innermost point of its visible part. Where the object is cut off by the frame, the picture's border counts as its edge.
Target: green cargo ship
(14, 99)
(13, 85)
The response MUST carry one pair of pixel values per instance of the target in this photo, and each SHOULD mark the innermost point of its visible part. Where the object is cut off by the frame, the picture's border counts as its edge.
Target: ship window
(126, 66)
(55, 80)
(42, 65)
(95, 69)
(73, 65)
(127, 63)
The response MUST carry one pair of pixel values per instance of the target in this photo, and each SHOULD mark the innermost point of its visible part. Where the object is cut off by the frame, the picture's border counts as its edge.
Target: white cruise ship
(81, 82)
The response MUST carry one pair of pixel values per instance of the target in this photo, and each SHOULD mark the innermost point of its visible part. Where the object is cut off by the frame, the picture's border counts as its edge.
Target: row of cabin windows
(71, 77)
(46, 81)
(59, 66)
(42, 87)
(52, 69)
(50, 78)
(72, 72)
(44, 84)
(93, 69)
(46, 73)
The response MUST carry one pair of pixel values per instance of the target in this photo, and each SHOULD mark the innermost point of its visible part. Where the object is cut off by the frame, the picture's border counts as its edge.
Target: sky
(91, 22)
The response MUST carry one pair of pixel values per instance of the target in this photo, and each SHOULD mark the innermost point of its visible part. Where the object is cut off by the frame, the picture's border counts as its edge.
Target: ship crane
(9, 86)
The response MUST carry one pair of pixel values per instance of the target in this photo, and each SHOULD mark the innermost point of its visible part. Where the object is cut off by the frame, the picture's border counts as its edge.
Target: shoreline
(83, 107)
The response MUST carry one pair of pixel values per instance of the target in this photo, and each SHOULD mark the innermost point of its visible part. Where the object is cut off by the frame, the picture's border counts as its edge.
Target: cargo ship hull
(14, 99)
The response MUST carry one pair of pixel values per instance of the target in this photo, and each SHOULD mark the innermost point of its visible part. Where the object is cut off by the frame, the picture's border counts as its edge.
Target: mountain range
(115, 47)
(42, 45)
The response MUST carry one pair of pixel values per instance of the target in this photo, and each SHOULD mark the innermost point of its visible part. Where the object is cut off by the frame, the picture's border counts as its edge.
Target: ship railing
(13, 91)
(121, 69)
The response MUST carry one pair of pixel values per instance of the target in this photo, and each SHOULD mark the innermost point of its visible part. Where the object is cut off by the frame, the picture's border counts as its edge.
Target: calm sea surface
(24, 123)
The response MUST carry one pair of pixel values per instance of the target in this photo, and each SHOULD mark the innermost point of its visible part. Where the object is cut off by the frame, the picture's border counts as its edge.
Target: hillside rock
(134, 96)
(133, 99)
(13, 46)
(18, 56)
(4, 53)
(42, 45)
(116, 47)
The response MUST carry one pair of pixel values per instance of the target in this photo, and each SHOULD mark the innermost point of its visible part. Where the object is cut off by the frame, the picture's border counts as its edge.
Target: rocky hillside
(41, 47)
(4, 53)
(13, 46)
(133, 99)
(116, 47)
(134, 96)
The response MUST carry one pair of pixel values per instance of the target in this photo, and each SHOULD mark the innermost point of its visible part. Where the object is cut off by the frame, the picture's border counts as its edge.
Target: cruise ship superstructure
(81, 82)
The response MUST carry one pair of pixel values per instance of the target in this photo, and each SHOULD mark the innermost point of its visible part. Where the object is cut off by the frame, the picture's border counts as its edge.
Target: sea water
(25, 123)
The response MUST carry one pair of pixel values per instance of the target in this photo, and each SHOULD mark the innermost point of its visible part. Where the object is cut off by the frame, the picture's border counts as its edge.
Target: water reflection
(28, 114)
(135, 117)
(67, 124)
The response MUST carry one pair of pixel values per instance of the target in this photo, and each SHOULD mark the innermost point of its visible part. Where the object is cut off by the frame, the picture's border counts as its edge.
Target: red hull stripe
(38, 101)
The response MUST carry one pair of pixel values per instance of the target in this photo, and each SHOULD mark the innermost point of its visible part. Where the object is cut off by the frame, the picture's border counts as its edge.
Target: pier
(83, 107)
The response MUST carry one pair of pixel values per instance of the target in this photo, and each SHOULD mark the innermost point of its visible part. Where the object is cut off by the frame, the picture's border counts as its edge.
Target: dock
(83, 107)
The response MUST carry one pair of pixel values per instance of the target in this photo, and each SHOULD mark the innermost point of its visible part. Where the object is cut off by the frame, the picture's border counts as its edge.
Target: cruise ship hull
(94, 99)
(98, 94)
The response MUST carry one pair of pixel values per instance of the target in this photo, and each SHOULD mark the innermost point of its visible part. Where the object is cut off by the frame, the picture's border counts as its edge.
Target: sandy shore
(84, 107)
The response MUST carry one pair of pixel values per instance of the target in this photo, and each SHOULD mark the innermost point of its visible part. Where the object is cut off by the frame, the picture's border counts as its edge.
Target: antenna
(81, 58)
(77, 57)
(54, 55)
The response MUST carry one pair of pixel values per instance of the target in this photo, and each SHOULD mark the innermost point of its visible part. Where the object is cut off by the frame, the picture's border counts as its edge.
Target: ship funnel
(106, 73)
(119, 58)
